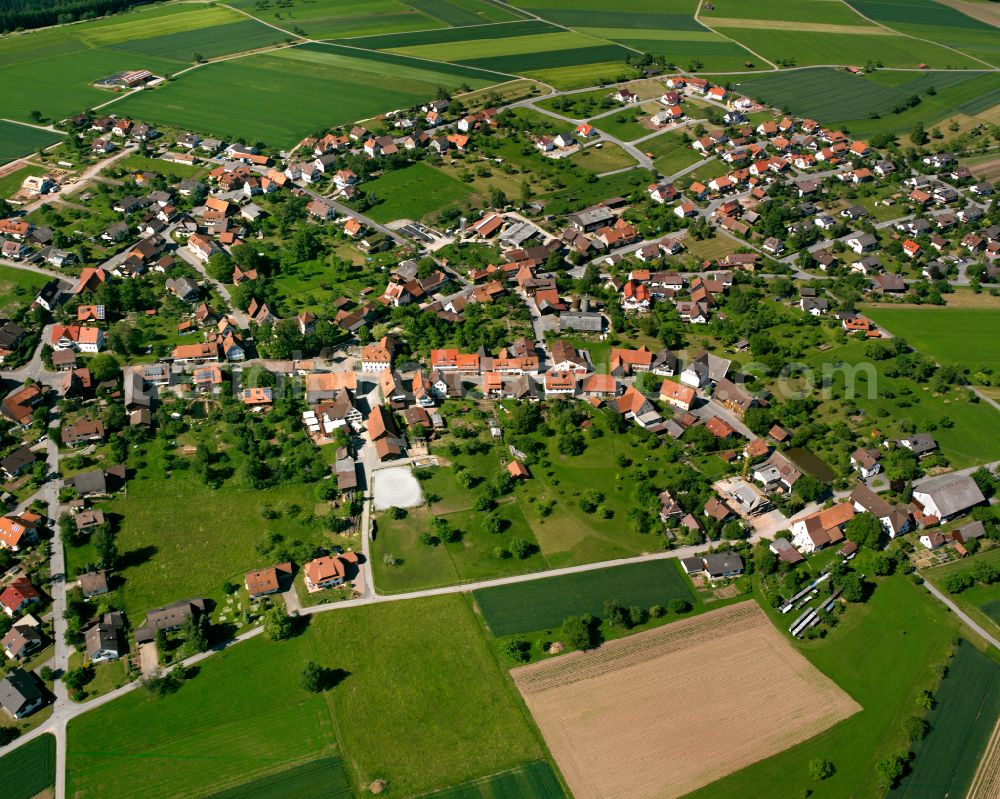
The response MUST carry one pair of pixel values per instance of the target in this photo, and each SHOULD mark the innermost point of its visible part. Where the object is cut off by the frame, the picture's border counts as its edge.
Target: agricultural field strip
(986, 782)
(587, 705)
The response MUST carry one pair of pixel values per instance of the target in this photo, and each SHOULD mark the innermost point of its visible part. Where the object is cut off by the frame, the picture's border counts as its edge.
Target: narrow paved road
(962, 615)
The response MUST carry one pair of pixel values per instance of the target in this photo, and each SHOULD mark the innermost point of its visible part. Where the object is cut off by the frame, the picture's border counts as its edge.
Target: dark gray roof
(17, 691)
(723, 563)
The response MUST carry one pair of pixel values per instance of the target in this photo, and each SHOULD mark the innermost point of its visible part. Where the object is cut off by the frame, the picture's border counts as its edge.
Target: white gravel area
(396, 487)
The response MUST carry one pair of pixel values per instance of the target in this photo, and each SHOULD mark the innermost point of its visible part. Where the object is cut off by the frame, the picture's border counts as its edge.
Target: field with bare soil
(661, 713)
(986, 783)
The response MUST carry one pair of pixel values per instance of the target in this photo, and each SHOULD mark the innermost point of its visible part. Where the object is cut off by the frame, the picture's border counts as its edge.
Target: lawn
(273, 96)
(967, 705)
(627, 125)
(981, 602)
(900, 631)
(401, 665)
(414, 192)
(18, 140)
(169, 521)
(10, 183)
(171, 171)
(887, 399)
(543, 604)
(670, 153)
(29, 770)
(965, 338)
(18, 286)
(609, 158)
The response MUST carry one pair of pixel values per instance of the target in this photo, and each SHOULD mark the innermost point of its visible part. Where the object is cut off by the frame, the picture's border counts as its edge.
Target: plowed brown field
(661, 713)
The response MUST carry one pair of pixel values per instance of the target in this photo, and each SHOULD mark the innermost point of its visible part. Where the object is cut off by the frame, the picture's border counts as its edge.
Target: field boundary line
(986, 777)
(431, 30)
(509, 7)
(697, 18)
(510, 75)
(993, 67)
(46, 128)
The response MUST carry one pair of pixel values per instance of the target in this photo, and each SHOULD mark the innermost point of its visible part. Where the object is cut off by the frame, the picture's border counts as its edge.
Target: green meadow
(52, 70)
(965, 337)
(401, 667)
(281, 96)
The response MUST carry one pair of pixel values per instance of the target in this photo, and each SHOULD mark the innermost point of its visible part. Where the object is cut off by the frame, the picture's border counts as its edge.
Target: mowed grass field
(281, 96)
(422, 703)
(169, 523)
(18, 140)
(414, 192)
(807, 11)
(966, 337)
(901, 631)
(542, 604)
(52, 70)
(967, 705)
(18, 286)
(29, 770)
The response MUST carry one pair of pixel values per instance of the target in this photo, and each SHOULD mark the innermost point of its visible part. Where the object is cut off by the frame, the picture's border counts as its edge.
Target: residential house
(20, 694)
(329, 571)
(819, 529)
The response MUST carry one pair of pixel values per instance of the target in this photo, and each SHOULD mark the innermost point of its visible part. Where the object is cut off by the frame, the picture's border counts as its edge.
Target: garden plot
(396, 487)
(661, 713)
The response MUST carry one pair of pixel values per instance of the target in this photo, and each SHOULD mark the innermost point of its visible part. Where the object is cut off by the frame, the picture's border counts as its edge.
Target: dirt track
(661, 713)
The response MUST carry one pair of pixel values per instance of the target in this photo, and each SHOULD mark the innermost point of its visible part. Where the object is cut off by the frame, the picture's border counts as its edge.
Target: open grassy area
(966, 708)
(936, 22)
(11, 182)
(29, 770)
(885, 400)
(981, 602)
(169, 523)
(670, 153)
(18, 286)
(545, 603)
(400, 665)
(17, 140)
(794, 11)
(52, 70)
(414, 192)
(271, 96)
(900, 631)
(964, 337)
(609, 158)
